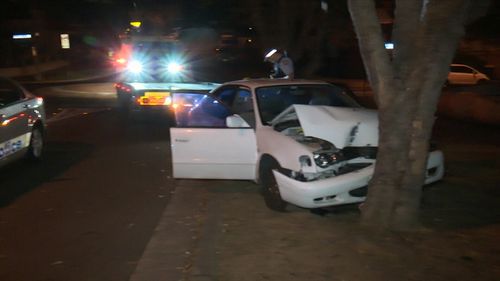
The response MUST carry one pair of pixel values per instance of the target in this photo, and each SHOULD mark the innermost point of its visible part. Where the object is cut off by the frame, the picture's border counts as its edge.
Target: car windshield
(274, 99)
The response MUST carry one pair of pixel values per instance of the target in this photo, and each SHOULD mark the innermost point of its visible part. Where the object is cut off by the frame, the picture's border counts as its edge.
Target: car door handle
(181, 140)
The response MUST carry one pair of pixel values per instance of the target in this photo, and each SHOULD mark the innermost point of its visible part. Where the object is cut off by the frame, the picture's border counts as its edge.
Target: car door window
(467, 70)
(199, 110)
(461, 69)
(243, 106)
(9, 93)
(226, 95)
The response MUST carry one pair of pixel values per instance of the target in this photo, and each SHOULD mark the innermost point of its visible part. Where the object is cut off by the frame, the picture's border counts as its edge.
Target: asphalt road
(89, 209)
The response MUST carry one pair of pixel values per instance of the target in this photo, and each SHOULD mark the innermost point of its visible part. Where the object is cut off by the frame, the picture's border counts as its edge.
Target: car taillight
(123, 87)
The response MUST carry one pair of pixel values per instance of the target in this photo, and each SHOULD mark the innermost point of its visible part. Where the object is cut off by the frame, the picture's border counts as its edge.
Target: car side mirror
(235, 121)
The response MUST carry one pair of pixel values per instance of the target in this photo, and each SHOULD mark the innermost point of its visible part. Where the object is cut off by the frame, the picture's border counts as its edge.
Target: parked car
(306, 142)
(22, 123)
(461, 74)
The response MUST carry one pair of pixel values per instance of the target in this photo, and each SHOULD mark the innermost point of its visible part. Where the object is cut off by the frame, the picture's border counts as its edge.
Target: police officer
(283, 65)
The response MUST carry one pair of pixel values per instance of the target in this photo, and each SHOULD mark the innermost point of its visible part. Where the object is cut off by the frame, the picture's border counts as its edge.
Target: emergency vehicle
(151, 69)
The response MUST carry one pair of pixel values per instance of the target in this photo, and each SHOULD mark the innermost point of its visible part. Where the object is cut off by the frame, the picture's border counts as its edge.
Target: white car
(22, 123)
(461, 74)
(306, 142)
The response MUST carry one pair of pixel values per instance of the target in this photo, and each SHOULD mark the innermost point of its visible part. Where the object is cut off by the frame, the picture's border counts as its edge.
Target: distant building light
(136, 24)
(389, 46)
(21, 36)
(65, 41)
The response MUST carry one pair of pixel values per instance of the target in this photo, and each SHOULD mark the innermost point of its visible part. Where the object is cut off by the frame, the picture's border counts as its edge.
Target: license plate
(155, 98)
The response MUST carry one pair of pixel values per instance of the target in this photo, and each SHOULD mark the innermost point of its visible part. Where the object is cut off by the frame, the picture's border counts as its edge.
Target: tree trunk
(406, 86)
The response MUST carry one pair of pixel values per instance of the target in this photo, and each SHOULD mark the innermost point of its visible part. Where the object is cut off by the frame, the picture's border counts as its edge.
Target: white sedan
(461, 74)
(22, 123)
(306, 142)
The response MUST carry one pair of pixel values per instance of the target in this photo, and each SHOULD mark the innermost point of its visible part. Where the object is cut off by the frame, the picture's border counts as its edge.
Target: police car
(155, 67)
(22, 123)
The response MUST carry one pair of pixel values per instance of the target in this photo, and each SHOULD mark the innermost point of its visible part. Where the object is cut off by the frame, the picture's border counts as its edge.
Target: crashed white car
(306, 142)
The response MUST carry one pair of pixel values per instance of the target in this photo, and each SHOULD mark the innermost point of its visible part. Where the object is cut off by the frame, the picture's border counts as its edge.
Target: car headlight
(135, 66)
(174, 67)
(325, 159)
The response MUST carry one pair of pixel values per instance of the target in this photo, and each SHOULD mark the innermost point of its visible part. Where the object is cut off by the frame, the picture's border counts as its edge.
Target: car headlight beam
(174, 67)
(135, 66)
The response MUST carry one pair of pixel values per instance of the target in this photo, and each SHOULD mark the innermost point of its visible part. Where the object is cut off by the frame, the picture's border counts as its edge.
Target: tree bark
(440, 48)
(406, 86)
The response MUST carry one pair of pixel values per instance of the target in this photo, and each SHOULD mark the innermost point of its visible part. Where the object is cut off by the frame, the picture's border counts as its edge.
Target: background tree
(407, 85)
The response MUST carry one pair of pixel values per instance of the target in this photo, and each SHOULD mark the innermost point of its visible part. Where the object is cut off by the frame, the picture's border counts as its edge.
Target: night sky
(118, 12)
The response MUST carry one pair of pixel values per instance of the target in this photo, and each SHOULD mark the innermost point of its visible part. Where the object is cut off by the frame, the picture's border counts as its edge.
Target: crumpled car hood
(341, 126)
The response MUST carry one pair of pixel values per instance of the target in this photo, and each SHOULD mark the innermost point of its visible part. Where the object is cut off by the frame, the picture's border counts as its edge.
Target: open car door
(203, 147)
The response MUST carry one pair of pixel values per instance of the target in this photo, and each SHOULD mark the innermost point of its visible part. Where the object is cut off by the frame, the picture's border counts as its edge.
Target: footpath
(221, 230)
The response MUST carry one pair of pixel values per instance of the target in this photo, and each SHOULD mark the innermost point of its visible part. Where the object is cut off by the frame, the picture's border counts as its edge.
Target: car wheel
(35, 149)
(270, 189)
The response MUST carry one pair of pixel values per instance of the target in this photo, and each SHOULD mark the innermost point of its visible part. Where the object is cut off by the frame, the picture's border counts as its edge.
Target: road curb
(182, 243)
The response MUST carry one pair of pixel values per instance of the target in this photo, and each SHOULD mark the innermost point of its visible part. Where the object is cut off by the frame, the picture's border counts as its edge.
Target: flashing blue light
(389, 46)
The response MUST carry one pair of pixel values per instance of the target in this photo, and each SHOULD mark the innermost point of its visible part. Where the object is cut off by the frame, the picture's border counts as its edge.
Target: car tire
(36, 145)
(269, 187)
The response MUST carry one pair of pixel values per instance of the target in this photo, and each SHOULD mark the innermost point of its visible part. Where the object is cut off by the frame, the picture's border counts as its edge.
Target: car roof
(173, 86)
(263, 82)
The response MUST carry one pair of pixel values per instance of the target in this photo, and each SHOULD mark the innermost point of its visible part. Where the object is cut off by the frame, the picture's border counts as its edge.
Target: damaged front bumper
(343, 189)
